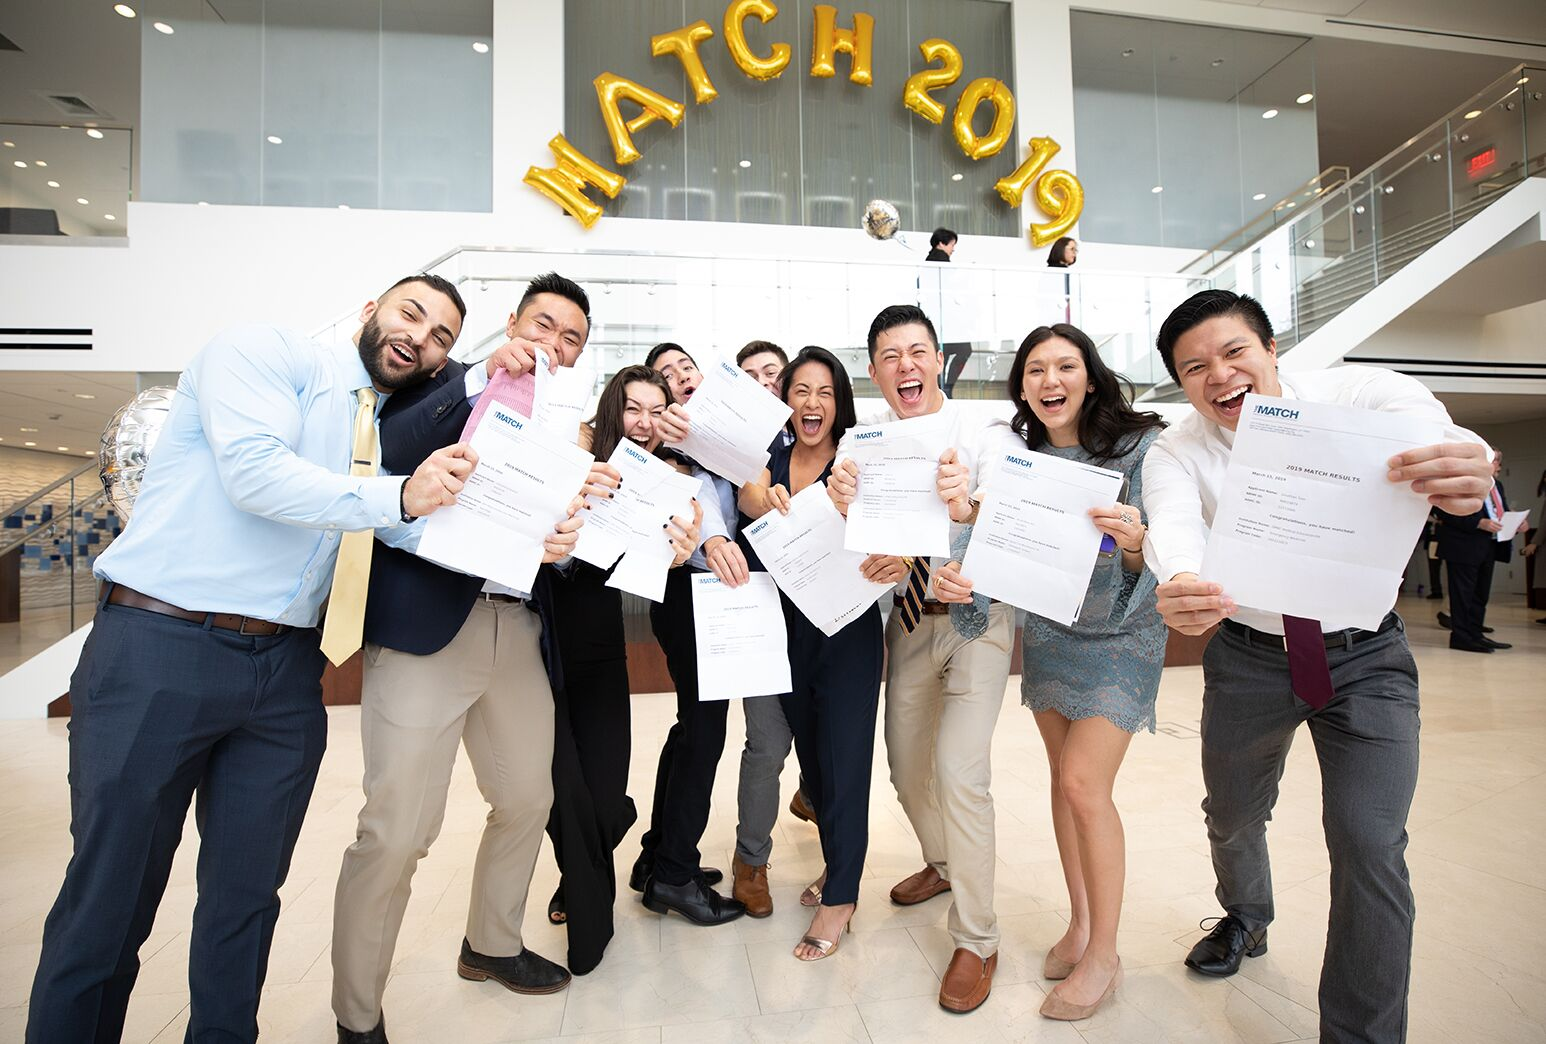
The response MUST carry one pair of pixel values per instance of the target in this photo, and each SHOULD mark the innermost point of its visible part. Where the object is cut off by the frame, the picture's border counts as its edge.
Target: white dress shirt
(1183, 473)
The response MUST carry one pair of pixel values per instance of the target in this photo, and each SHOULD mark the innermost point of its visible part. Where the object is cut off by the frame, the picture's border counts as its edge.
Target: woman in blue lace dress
(1091, 685)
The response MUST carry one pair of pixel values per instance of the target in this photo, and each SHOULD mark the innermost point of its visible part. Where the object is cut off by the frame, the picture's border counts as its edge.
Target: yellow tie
(344, 627)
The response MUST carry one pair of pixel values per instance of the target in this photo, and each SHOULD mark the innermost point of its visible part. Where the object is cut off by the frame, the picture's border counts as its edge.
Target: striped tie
(917, 590)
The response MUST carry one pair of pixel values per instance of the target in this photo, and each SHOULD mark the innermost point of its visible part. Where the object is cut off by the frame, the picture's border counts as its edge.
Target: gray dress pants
(1366, 742)
(768, 740)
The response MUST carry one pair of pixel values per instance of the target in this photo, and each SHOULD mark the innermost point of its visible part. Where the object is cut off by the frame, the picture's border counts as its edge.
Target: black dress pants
(684, 780)
(161, 708)
(1470, 585)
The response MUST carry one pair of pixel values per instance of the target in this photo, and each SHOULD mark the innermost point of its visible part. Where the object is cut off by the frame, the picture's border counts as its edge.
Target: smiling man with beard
(203, 670)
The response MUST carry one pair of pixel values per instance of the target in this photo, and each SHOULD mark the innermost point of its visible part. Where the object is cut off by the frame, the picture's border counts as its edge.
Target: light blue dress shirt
(248, 489)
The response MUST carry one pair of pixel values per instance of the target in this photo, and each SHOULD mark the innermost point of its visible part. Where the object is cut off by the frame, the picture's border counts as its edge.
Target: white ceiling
(51, 402)
(1521, 21)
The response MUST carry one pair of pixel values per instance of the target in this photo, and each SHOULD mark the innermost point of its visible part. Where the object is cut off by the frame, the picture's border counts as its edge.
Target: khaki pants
(487, 690)
(943, 695)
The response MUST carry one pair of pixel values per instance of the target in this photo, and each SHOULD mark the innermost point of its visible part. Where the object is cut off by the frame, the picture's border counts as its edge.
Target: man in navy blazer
(453, 659)
(1469, 544)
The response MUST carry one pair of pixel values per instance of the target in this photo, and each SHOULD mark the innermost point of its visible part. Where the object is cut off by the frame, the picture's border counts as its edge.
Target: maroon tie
(1308, 671)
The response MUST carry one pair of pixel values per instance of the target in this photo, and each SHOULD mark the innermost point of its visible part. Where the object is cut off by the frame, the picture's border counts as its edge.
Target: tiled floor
(1478, 861)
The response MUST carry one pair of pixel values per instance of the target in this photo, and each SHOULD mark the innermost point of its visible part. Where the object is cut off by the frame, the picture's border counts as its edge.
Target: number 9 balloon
(1058, 193)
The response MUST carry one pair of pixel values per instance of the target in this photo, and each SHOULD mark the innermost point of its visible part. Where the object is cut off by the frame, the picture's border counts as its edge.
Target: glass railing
(64, 181)
(719, 303)
(1344, 243)
(1272, 215)
(48, 544)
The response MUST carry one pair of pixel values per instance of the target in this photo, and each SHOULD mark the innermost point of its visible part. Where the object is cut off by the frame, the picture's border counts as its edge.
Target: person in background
(942, 247)
(1430, 546)
(1063, 253)
(1091, 685)
(1469, 544)
(836, 680)
(1534, 538)
(763, 362)
(593, 740)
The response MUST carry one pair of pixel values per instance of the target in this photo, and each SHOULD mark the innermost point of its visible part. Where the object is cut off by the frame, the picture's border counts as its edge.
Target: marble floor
(1477, 857)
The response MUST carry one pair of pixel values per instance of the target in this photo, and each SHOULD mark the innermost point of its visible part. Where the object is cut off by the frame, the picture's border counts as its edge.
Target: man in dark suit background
(1469, 544)
(453, 659)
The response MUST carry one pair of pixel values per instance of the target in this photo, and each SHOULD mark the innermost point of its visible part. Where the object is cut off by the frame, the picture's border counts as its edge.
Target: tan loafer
(967, 982)
(751, 888)
(920, 887)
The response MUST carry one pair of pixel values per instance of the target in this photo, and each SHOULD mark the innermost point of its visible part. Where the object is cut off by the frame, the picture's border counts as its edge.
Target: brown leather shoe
(751, 887)
(967, 982)
(800, 807)
(920, 887)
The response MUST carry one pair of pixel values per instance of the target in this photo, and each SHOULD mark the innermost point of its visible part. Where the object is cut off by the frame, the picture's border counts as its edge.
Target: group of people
(202, 673)
(1470, 547)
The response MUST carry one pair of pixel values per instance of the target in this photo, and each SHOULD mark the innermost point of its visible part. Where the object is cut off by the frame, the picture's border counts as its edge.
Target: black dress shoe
(1459, 646)
(375, 1036)
(1221, 950)
(1444, 623)
(694, 900)
(526, 972)
(1496, 645)
(645, 865)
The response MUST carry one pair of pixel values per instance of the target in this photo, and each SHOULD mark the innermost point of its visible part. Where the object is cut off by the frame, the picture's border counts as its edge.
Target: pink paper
(517, 393)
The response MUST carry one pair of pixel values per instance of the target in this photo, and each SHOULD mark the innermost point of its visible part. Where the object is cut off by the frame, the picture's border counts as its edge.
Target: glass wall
(354, 103)
(795, 150)
(1187, 132)
(63, 181)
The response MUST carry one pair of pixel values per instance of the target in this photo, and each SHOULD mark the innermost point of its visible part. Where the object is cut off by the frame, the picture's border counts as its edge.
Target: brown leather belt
(929, 608)
(128, 596)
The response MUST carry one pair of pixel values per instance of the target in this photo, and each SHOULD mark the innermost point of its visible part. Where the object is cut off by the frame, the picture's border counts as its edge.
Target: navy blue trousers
(162, 708)
(831, 712)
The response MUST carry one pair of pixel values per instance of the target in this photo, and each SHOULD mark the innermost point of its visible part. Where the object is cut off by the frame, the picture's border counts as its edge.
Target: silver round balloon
(126, 445)
(881, 219)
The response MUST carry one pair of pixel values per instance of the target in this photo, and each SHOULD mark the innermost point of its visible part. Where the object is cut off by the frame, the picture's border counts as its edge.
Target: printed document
(733, 421)
(1512, 522)
(521, 488)
(803, 552)
(743, 646)
(1308, 524)
(1034, 545)
(897, 510)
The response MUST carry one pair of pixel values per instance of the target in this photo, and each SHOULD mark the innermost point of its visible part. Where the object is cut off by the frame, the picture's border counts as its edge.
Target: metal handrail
(40, 494)
(12, 543)
(1509, 79)
(1272, 208)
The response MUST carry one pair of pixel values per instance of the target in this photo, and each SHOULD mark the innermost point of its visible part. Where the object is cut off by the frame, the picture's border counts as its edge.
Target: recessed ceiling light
(64, 449)
(124, 9)
(343, 206)
(480, 46)
(29, 444)
(274, 139)
(163, 28)
(83, 201)
(1269, 114)
(92, 132)
(9, 144)
(745, 163)
(1523, 80)
(1259, 196)
(40, 163)
(1304, 98)
(1473, 114)
(110, 217)
(1127, 53)
(1291, 204)
(957, 177)
(26, 429)
(1157, 189)
(53, 184)
(1216, 62)
(203, 202)
(19, 163)
(84, 395)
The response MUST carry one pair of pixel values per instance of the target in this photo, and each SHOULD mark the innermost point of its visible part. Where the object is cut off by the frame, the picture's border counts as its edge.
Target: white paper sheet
(897, 510)
(743, 645)
(1513, 522)
(1308, 524)
(803, 552)
(734, 420)
(561, 399)
(643, 570)
(1034, 545)
(521, 488)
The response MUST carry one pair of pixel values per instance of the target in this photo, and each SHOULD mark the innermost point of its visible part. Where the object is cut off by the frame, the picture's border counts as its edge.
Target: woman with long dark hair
(1091, 685)
(1063, 253)
(593, 732)
(836, 681)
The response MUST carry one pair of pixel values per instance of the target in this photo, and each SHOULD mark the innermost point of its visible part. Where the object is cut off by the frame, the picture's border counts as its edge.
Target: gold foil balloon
(915, 93)
(565, 183)
(1061, 197)
(977, 92)
(881, 219)
(1058, 193)
(684, 43)
(758, 68)
(827, 41)
(126, 444)
(611, 91)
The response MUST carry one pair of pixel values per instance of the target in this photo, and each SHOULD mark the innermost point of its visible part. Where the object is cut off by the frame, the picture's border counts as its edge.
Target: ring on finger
(1127, 518)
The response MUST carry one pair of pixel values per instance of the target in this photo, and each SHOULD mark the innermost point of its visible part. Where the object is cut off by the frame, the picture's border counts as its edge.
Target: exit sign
(1482, 161)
